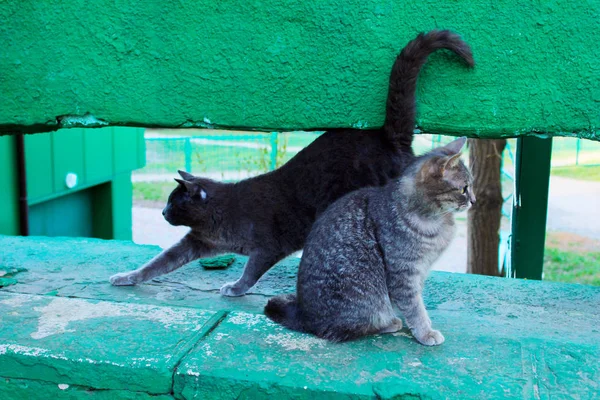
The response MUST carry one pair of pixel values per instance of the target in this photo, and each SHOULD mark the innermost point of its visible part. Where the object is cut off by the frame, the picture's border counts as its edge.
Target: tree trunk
(485, 156)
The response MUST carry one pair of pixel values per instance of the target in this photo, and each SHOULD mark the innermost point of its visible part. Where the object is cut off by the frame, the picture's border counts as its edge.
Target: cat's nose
(472, 199)
(164, 211)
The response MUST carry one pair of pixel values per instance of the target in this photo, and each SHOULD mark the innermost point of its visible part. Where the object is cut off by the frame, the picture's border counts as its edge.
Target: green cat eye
(464, 190)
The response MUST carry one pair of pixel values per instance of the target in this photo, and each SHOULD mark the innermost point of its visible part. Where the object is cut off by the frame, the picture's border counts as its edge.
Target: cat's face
(189, 204)
(445, 181)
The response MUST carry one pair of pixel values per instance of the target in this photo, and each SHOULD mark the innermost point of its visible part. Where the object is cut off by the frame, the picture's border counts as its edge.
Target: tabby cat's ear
(451, 162)
(455, 146)
(431, 168)
(185, 175)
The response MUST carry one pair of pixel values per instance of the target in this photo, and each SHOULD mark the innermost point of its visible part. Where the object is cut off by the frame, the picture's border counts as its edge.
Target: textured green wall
(300, 65)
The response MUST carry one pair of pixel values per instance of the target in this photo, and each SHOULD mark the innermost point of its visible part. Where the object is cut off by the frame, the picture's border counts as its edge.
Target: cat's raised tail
(284, 310)
(400, 109)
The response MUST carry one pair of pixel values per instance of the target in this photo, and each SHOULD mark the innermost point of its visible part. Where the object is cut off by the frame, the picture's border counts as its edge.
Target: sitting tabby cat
(372, 249)
(269, 216)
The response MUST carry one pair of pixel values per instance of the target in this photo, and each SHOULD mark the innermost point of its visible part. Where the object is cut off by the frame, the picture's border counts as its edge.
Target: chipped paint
(30, 351)
(16, 301)
(247, 319)
(80, 121)
(57, 314)
(295, 341)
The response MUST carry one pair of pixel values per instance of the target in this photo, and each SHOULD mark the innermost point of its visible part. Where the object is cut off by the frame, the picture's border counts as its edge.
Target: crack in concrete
(210, 325)
(71, 386)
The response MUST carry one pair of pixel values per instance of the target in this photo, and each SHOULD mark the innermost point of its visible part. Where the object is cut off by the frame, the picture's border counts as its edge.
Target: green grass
(591, 173)
(571, 267)
(153, 191)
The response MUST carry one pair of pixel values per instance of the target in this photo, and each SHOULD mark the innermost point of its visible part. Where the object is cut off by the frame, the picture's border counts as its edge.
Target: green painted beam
(307, 65)
(530, 207)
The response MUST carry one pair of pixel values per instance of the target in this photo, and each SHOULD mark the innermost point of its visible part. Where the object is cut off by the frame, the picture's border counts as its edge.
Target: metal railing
(225, 156)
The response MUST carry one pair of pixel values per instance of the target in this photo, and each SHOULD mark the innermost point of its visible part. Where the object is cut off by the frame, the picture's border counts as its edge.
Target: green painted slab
(504, 338)
(302, 65)
(249, 357)
(95, 344)
(20, 389)
(53, 267)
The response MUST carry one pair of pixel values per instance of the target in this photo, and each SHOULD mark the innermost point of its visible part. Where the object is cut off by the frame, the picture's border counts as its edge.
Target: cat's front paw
(123, 279)
(232, 289)
(431, 338)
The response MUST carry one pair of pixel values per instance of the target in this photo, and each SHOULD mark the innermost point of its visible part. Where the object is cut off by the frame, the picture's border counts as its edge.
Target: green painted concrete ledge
(302, 65)
(65, 333)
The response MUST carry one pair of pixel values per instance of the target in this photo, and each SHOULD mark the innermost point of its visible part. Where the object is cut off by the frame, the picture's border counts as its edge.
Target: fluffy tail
(284, 310)
(400, 111)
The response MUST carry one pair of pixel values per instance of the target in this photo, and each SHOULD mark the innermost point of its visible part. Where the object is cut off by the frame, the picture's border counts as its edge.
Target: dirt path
(574, 206)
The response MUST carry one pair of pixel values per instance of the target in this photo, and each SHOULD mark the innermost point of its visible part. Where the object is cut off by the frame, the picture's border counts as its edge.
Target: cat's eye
(464, 190)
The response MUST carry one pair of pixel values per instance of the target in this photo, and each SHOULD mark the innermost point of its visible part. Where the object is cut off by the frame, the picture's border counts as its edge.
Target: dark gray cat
(372, 249)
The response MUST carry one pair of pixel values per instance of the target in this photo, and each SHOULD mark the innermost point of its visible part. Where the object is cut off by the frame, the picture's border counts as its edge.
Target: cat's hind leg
(186, 250)
(258, 263)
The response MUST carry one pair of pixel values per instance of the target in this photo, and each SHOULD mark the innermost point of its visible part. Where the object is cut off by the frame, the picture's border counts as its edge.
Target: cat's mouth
(464, 207)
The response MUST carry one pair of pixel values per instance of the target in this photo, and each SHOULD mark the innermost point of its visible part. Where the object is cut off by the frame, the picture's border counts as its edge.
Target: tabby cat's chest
(414, 249)
(431, 247)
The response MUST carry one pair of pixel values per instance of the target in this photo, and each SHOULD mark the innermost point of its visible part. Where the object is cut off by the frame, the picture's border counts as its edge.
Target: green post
(530, 206)
(273, 150)
(188, 155)
(577, 151)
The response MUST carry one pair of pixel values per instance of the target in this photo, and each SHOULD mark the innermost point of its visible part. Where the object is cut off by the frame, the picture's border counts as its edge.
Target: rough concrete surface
(66, 333)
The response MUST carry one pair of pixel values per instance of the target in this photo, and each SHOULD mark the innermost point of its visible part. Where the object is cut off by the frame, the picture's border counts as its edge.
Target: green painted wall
(300, 65)
(9, 191)
(99, 205)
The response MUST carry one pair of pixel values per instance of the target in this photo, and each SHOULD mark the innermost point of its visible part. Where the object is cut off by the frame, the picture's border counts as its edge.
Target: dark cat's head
(443, 181)
(192, 202)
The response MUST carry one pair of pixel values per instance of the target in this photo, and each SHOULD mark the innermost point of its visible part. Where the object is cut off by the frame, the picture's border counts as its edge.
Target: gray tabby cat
(372, 249)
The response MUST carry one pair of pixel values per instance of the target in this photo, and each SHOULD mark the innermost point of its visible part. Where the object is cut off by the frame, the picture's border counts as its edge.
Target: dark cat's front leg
(258, 263)
(186, 250)
(406, 294)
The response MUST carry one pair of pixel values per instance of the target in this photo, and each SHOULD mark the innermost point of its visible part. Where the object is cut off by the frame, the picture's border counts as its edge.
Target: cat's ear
(455, 146)
(451, 162)
(432, 167)
(185, 175)
(191, 187)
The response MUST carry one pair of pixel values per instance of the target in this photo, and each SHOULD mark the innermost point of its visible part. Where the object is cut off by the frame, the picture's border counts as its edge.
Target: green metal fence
(233, 156)
(222, 156)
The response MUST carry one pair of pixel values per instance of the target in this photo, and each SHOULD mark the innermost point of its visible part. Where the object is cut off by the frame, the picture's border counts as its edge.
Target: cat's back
(340, 161)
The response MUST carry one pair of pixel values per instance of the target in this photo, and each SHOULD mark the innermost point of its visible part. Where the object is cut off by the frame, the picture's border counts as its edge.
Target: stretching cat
(269, 216)
(373, 248)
